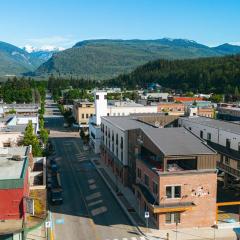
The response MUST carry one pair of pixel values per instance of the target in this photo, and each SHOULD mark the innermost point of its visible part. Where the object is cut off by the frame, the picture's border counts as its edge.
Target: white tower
(100, 98)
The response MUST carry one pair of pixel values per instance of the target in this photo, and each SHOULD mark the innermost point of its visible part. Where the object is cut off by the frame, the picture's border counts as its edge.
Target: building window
(87, 115)
(173, 191)
(121, 155)
(117, 139)
(97, 96)
(139, 173)
(228, 143)
(105, 96)
(107, 114)
(7, 144)
(239, 146)
(146, 180)
(209, 136)
(201, 134)
(227, 161)
(82, 115)
(155, 188)
(172, 218)
(121, 143)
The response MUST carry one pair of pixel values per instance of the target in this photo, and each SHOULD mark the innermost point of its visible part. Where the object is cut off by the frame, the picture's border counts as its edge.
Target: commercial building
(200, 111)
(116, 108)
(82, 111)
(171, 171)
(171, 108)
(223, 136)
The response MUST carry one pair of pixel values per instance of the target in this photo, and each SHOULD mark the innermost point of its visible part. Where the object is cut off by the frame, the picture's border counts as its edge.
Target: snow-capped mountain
(44, 48)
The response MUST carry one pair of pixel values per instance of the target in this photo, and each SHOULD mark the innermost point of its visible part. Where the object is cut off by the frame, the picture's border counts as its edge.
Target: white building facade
(117, 109)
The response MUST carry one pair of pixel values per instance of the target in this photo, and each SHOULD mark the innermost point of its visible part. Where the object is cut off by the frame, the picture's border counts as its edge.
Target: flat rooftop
(10, 168)
(171, 141)
(218, 124)
(13, 129)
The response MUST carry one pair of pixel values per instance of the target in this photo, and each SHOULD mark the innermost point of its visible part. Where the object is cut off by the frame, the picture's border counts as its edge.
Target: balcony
(223, 167)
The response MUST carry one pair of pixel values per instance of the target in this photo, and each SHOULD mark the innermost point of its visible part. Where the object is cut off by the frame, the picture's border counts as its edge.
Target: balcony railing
(228, 169)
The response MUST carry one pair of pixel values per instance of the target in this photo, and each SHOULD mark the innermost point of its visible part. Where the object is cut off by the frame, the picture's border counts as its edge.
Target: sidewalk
(129, 202)
(39, 233)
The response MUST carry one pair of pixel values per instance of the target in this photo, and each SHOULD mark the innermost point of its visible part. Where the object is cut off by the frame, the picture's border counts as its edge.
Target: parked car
(56, 196)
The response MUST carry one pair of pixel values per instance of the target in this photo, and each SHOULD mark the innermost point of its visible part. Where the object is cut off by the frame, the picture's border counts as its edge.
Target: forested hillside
(216, 74)
(105, 59)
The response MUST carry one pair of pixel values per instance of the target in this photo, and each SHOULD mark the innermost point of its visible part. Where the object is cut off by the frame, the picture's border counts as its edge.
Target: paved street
(89, 210)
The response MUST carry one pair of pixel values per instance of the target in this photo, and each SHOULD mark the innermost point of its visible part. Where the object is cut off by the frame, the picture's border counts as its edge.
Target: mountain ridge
(107, 58)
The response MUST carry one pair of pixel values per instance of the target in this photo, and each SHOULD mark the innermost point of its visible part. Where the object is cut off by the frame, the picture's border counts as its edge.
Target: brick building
(14, 182)
(171, 171)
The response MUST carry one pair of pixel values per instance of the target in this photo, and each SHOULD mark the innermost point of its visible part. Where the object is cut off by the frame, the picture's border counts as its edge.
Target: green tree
(31, 139)
(44, 135)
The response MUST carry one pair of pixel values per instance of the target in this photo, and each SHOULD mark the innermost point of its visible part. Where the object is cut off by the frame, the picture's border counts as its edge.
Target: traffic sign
(48, 224)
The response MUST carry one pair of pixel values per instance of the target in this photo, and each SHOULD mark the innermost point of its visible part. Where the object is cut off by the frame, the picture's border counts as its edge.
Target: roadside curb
(120, 203)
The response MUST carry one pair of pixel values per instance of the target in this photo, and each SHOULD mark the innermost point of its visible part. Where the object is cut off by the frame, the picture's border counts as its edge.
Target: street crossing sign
(48, 224)
(146, 215)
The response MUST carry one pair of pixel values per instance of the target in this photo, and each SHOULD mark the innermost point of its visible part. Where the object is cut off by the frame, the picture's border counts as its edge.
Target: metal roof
(12, 169)
(218, 124)
(170, 141)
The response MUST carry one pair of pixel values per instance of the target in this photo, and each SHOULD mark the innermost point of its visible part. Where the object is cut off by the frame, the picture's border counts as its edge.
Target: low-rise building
(20, 109)
(14, 182)
(229, 112)
(171, 108)
(171, 171)
(82, 111)
(200, 111)
(12, 128)
(223, 136)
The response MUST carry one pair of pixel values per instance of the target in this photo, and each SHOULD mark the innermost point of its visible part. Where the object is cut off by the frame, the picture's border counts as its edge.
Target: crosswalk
(128, 238)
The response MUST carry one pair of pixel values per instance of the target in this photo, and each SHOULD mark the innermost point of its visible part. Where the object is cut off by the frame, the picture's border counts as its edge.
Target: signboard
(30, 205)
(146, 215)
(48, 224)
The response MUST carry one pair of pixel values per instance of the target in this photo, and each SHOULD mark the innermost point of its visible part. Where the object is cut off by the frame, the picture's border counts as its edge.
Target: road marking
(98, 211)
(60, 221)
(142, 238)
(93, 186)
(93, 196)
(133, 238)
(95, 203)
(90, 181)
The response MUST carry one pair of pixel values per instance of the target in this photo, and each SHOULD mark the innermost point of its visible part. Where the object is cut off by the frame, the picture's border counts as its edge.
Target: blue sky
(65, 22)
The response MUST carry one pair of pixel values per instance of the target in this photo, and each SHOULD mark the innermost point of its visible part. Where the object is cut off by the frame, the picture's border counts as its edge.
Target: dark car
(56, 196)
